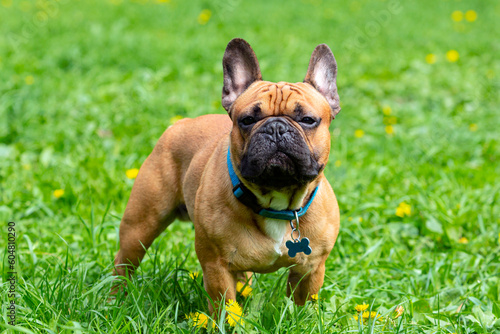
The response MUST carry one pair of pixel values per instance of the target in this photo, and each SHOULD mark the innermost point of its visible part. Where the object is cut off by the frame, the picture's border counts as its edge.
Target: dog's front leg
(305, 285)
(219, 283)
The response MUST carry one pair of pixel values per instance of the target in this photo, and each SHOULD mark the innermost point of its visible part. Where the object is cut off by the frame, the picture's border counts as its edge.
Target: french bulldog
(251, 181)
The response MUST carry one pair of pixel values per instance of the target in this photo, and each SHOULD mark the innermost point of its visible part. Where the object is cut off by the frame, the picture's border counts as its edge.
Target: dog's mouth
(278, 170)
(280, 161)
(273, 161)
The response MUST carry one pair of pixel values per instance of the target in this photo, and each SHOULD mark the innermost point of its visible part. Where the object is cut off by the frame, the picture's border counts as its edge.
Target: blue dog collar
(248, 198)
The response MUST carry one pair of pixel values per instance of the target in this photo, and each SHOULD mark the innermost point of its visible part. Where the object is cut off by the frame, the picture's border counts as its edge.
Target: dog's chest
(276, 230)
(263, 250)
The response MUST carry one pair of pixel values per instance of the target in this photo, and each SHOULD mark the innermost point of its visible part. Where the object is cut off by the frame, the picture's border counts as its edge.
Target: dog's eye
(308, 120)
(247, 120)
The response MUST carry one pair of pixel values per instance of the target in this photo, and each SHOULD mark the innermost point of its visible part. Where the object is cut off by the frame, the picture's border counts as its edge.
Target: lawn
(88, 87)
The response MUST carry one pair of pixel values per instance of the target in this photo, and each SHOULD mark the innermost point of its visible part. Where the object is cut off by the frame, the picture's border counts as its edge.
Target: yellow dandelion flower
(58, 193)
(389, 129)
(204, 16)
(362, 307)
(390, 120)
(452, 56)
(371, 315)
(314, 297)
(471, 15)
(463, 240)
(200, 320)
(162, 1)
(132, 173)
(360, 219)
(175, 119)
(386, 110)
(244, 290)
(194, 275)
(399, 311)
(499, 238)
(457, 16)
(473, 127)
(403, 209)
(359, 133)
(234, 313)
(430, 58)
(366, 315)
(7, 3)
(338, 163)
(29, 80)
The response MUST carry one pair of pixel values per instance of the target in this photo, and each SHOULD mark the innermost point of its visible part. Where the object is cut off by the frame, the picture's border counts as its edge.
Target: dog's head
(280, 135)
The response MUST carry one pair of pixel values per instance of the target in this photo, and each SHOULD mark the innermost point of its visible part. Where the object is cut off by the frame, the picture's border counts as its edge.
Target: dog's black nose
(276, 128)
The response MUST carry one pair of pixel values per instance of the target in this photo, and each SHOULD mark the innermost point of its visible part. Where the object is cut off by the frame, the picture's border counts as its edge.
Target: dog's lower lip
(276, 159)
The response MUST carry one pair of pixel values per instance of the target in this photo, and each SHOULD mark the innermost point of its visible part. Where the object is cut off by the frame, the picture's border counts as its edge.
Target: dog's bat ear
(241, 69)
(322, 75)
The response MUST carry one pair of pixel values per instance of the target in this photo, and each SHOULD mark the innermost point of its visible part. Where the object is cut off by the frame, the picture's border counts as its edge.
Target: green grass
(87, 87)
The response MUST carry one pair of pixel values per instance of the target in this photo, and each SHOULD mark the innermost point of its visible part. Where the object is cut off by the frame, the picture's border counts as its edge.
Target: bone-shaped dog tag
(298, 246)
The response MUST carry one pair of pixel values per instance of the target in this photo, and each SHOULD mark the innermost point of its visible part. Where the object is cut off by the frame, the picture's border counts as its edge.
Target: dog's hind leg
(153, 205)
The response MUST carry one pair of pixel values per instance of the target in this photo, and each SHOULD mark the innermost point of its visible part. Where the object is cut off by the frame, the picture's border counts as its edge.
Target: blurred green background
(88, 87)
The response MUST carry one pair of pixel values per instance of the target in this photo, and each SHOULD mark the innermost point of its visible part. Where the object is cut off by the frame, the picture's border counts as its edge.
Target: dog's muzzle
(278, 156)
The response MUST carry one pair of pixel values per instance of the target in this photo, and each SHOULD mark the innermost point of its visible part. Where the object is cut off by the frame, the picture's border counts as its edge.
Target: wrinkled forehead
(281, 97)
